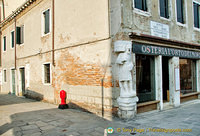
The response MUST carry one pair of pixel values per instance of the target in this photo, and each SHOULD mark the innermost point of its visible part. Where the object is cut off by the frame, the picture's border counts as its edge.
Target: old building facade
(119, 55)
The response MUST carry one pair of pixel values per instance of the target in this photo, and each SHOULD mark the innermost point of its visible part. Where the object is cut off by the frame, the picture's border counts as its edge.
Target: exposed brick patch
(72, 71)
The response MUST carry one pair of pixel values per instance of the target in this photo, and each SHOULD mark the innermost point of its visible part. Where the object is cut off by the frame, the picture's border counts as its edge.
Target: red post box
(63, 104)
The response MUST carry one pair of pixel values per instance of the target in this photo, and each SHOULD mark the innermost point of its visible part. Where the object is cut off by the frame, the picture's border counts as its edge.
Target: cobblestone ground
(25, 117)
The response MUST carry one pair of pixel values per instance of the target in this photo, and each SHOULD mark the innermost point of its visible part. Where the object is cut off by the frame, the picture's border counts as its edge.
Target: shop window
(20, 35)
(47, 74)
(180, 11)
(196, 15)
(187, 76)
(141, 4)
(164, 7)
(12, 39)
(145, 71)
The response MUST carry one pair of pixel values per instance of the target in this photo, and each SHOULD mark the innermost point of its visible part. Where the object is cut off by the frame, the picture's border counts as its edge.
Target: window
(179, 9)
(164, 8)
(4, 43)
(187, 76)
(141, 4)
(12, 39)
(46, 21)
(20, 35)
(145, 74)
(4, 75)
(196, 15)
(47, 72)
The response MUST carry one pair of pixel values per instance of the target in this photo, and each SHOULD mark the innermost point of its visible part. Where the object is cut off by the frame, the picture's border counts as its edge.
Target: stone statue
(127, 99)
(125, 64)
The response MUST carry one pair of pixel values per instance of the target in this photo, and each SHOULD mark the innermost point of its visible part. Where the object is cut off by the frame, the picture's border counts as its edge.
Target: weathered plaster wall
(134, 20)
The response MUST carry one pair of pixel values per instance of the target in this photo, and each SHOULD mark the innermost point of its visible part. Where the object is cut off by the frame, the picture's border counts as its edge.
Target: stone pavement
(25, 117)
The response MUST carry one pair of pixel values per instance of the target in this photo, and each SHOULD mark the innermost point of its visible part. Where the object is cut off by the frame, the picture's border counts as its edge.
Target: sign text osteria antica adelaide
(156, 50)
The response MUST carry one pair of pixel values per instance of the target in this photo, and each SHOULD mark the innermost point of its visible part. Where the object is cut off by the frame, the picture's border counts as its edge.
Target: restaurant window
(145, 73)
(187, 76)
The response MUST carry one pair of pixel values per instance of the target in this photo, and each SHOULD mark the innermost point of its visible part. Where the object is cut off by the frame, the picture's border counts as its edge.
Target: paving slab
(21, 117)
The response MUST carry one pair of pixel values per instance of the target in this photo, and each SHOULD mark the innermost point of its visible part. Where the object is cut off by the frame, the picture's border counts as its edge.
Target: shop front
(165, 75)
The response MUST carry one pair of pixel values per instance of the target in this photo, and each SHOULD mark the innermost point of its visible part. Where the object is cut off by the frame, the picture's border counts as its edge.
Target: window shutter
(179, 6)
(162, 8)
(18, 35)
(138, 4)
(12, 39)
(166, 9)
(22, 35)
(46, 17)
(144, 5)
(196, 15)
(4, 39)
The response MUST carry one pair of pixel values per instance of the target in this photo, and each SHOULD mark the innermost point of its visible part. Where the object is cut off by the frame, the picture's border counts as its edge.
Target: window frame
(142, 12)
(43, 22)
(11, 40)
(185, 18)
(168, 10)
(4, 75)
(43, 73)
(195, 28)
(21, 35)
(4, 43)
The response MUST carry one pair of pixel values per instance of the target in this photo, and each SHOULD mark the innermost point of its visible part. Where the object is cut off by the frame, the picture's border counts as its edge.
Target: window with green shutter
(4, 43)
(46, 21)
(196, 15)
(20, 35)
(12, 39)
(164, 8)
(141, 4)
(179, 9)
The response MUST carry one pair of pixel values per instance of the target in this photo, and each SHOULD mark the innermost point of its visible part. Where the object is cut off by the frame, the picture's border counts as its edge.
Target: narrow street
(25, 117)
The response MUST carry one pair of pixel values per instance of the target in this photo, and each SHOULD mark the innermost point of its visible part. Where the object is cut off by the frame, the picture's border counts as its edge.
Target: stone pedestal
(127, 107)
(126, 65)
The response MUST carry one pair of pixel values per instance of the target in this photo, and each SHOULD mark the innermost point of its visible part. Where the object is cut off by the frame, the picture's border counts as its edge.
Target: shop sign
(164, 51)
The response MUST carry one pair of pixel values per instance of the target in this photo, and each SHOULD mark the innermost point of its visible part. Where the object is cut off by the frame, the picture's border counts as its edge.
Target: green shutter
(18, 35)
(4, 43)
(179, 7)
(46, 17)
(196, 15)
(12, 39)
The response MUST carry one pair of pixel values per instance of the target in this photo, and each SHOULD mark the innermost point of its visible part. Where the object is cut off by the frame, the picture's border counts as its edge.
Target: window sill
(44, 35)
(196, 29)
(141, 12)
(47, 84)
(180, 24)
(165, 19)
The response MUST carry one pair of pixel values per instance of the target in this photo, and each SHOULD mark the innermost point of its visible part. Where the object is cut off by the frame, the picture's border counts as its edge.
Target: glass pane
(145, 78)
(187, 76)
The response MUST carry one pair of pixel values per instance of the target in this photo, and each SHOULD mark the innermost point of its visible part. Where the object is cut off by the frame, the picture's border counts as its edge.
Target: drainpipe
(53, 31)
(3, 9)
(15, 45)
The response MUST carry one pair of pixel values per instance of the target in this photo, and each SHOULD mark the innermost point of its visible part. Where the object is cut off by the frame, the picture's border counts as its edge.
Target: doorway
(165, 75)
(22, 77)
(13, 81)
